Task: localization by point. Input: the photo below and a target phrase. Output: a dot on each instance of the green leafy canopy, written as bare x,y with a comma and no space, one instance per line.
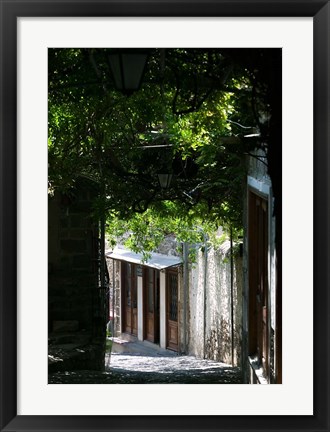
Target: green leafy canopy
196,104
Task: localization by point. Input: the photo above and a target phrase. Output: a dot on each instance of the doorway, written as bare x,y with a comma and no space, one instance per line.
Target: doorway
172,310
151,302
129,298
258,280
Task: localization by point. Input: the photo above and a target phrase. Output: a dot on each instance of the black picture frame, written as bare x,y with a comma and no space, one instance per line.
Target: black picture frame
10,10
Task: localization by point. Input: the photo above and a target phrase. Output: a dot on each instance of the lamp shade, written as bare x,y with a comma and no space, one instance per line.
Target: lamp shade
164,180
127,67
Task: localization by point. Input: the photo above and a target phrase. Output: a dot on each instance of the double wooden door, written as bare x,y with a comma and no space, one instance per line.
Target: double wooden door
151,301
172,309
129,298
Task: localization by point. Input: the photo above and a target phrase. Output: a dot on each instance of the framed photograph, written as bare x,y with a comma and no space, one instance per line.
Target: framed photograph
294,356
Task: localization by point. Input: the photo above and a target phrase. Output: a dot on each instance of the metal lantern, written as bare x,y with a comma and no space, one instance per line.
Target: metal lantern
165,180
127,67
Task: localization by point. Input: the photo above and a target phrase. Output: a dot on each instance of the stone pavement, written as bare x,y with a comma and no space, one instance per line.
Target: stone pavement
133,362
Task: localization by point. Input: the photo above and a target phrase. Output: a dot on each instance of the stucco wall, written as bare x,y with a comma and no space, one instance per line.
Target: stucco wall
213,310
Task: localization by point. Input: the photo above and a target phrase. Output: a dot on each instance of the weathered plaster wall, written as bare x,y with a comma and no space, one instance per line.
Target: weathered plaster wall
211,311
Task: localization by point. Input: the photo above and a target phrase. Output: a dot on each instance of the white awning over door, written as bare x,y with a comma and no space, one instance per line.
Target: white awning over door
157,261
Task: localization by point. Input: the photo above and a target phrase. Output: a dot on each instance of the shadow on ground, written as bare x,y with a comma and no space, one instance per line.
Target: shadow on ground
137,369
125,377
137,362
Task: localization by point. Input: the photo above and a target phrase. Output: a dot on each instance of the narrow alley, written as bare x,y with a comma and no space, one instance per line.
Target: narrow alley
144,363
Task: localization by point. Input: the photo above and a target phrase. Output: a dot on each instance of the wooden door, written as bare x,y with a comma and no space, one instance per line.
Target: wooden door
129,287
258,280
172,309
151,297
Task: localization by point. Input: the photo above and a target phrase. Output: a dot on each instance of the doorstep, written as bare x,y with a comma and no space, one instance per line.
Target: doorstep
256,371
130,344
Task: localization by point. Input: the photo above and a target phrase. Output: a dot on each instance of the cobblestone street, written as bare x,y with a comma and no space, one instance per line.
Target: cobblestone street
142,364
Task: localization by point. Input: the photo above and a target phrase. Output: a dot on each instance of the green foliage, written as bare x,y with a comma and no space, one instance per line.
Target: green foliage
201,102
143,233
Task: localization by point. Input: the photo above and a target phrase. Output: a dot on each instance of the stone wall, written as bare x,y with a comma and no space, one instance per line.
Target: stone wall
169,246
75,302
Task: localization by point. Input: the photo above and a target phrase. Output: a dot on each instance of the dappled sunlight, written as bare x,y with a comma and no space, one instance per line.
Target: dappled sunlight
136,368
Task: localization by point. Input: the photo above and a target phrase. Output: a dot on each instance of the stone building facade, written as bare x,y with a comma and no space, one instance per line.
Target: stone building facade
76,304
